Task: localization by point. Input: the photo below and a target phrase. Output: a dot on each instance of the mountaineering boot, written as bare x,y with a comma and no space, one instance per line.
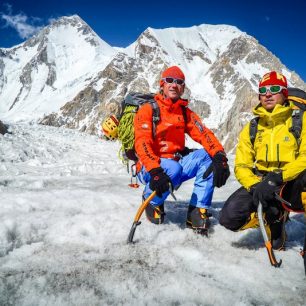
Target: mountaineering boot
155,214
198,219
277,233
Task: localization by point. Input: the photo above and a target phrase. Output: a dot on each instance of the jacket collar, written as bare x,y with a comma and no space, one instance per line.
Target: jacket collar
169,103
280,112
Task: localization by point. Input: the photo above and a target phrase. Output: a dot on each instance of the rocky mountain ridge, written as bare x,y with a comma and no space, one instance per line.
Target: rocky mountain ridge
68,76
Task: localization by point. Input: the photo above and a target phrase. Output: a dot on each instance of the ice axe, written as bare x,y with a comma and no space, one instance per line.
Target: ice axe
268,243
141,209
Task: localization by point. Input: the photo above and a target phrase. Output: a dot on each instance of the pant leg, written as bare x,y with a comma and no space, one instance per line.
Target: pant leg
172,168
194,165
237,210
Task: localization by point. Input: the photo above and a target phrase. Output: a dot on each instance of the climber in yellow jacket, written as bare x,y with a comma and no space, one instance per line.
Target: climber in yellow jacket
274,163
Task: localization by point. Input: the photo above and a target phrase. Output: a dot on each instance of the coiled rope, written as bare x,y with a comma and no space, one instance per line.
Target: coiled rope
126,130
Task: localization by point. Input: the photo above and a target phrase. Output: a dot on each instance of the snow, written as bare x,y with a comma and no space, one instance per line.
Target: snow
66,212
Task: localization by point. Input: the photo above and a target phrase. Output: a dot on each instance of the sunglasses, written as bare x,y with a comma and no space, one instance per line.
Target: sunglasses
173,80
274,89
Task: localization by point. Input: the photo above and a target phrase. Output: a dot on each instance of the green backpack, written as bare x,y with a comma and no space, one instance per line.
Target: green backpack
129,107
298,97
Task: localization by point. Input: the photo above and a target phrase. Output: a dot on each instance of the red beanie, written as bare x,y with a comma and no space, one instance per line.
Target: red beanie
172,72
274,78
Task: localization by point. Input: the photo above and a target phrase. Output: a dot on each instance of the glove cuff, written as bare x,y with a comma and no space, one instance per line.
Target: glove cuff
221,155
275,178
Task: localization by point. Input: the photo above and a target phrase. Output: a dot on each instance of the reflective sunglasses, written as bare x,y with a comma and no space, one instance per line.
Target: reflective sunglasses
274,89
173,80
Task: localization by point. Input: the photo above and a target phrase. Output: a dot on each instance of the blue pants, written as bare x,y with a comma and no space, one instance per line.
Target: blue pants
192,165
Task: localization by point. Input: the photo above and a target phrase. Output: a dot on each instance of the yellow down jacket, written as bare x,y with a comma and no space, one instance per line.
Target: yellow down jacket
274,147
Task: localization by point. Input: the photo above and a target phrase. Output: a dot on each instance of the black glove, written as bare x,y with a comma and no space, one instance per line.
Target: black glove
265,190
159,181
220,169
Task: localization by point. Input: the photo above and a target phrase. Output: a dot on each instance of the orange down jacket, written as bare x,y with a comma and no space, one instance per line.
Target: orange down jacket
170,132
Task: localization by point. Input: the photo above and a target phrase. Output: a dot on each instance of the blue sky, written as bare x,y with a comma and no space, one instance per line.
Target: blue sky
279,26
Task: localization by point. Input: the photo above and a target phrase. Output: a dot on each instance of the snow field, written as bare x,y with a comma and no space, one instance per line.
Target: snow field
65,214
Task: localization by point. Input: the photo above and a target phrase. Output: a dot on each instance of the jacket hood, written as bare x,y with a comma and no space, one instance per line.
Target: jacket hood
280,112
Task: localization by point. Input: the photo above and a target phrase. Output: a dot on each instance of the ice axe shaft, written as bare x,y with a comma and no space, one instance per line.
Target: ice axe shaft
140,210
268,244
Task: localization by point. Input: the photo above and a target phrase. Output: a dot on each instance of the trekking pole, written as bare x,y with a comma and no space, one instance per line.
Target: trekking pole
140,210
268,244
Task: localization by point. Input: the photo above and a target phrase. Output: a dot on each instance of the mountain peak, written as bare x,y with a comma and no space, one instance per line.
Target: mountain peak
73,20
69,27
68,72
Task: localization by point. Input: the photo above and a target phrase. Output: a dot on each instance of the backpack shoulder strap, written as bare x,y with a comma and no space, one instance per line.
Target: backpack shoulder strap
155,114
253,129
156,110
184,110
297,123
298,98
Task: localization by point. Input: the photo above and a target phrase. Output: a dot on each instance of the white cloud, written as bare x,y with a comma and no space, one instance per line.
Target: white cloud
24,25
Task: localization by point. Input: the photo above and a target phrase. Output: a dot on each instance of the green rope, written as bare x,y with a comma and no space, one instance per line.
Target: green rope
126,129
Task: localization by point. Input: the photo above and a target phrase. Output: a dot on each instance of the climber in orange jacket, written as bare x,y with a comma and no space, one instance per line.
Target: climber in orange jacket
164,159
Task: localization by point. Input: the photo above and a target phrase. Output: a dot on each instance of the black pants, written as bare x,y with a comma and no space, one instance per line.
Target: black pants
239,206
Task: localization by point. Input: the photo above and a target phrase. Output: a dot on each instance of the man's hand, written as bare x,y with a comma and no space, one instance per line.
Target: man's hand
159,181
220,169
265,190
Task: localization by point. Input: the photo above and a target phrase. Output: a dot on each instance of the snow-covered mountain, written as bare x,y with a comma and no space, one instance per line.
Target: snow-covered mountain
67,76
42,74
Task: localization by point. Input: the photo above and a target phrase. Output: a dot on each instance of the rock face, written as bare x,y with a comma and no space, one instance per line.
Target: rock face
67,76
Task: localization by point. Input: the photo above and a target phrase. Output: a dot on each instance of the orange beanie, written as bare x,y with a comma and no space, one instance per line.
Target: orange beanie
172,72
